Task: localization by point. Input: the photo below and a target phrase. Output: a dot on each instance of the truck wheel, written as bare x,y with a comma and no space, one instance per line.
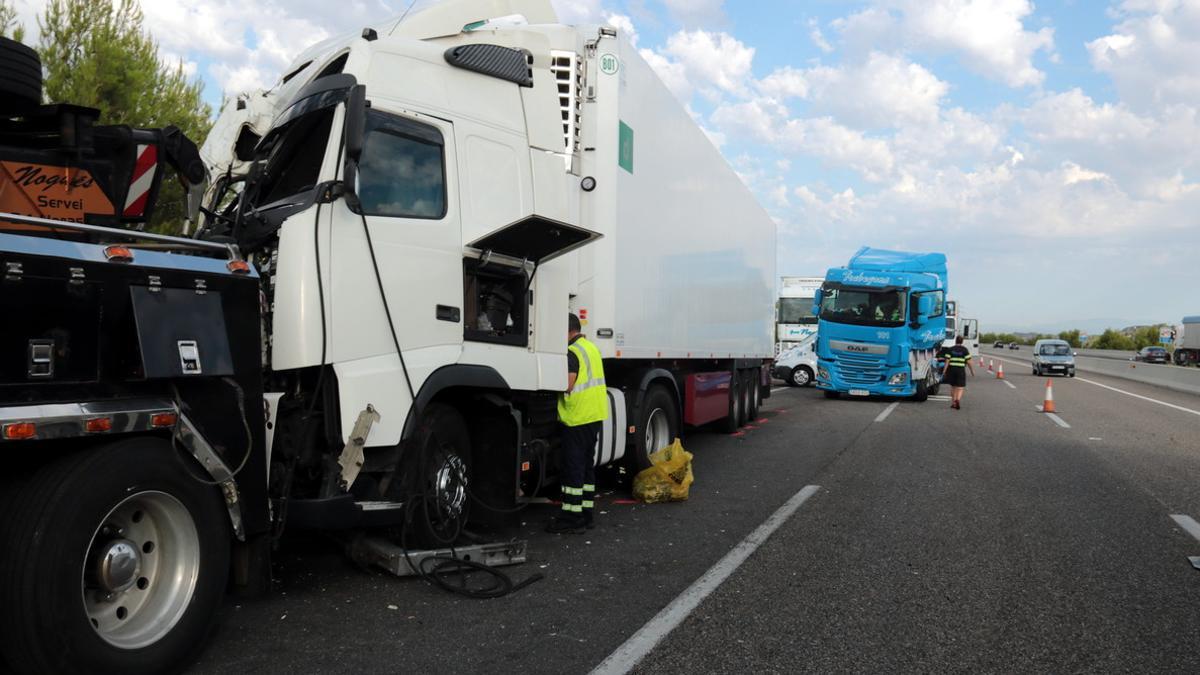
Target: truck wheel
657,425
801,376
438,472
20,77
922,393
733,419
115,560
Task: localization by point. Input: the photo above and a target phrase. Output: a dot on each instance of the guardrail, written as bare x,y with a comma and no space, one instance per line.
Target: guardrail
1179,378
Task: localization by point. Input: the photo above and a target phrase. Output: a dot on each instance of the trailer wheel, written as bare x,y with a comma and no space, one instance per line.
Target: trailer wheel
733,419
657,425
114,560
755,389
439,476
20,77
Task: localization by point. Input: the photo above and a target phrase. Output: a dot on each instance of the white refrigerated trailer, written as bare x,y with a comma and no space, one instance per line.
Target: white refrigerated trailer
794,320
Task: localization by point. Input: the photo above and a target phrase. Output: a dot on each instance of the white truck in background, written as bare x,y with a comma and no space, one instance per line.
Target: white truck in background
957,326
794,320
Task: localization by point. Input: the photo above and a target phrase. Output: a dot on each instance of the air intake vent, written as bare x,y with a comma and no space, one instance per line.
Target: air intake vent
567,68
502,62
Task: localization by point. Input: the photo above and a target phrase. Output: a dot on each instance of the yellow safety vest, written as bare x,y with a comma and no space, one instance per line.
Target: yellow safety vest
587,401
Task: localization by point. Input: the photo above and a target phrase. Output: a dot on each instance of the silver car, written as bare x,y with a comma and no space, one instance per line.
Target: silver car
1053,356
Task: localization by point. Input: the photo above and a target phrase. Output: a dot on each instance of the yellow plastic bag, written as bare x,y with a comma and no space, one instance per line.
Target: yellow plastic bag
669,478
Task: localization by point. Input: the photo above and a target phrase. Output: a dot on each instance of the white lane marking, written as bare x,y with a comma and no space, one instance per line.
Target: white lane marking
1010,384
887,411
939,398
648,636
779,389
1057,420
1144,398
1190,526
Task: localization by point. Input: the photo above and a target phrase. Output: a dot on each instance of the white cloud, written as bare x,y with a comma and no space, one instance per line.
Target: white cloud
883,91
989,35
1152,54
625,26
711,63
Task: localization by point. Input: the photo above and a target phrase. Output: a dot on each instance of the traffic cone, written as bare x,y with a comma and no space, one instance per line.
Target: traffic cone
991,365
1048,404
1000,372
981,360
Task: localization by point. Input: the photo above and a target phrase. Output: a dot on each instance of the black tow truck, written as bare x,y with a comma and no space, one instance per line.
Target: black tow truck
130,398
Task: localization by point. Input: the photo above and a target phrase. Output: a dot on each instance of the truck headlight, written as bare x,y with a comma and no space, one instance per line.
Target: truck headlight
898,378
822,373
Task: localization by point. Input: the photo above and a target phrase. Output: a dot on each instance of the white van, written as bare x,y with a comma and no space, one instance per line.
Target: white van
1053,356
798,365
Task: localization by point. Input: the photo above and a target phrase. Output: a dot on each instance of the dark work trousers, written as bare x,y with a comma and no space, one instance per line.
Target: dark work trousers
577,462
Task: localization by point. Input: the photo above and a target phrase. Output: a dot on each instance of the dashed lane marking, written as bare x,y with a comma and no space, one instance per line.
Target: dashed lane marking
1057,420
1010,384
939,398
887,411
648,636
1188,524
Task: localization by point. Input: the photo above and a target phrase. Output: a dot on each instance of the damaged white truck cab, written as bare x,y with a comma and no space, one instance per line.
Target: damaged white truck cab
427,206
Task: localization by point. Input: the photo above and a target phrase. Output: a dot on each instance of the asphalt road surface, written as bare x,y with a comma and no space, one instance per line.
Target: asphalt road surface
993,538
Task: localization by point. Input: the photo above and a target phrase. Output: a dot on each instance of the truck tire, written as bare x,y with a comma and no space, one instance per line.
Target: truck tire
747,397
755,390
20,77
733,418
438,478
657,426
922,393
802,376
114,560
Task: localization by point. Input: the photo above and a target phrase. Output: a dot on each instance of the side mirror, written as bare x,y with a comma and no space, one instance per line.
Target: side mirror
354,138
818,298
924,309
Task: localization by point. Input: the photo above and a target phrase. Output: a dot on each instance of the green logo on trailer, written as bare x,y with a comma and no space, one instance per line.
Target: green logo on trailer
625,148
609,64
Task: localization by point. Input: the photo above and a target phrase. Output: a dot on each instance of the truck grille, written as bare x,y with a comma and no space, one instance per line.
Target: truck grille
860,368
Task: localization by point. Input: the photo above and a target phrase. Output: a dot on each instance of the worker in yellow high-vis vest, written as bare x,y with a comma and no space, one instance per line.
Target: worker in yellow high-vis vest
582,410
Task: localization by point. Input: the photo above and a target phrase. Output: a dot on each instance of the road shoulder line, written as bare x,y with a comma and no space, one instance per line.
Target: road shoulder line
641,643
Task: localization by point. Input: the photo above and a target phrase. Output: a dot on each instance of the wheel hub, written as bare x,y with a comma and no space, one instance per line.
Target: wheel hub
451,490
118,566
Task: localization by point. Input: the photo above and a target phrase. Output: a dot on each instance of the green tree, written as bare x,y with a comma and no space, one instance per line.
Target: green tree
9,27
1112,339
96,53
1071,337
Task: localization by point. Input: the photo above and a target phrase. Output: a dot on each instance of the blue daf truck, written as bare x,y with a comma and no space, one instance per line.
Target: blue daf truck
882,319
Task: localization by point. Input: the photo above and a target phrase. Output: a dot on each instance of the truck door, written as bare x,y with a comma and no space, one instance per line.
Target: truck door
407,192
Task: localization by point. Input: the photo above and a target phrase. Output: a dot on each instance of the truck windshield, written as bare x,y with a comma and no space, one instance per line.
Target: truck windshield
796,310
863,306
293,156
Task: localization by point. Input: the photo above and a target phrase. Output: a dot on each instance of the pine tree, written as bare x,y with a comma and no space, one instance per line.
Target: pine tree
9,27
96,53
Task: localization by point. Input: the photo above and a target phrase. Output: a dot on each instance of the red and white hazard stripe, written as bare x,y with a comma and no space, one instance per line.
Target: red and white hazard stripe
143,179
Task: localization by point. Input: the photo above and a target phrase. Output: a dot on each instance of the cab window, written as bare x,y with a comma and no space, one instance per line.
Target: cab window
402,173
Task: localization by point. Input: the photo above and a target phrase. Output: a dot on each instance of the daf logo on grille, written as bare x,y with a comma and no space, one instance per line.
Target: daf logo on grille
862,349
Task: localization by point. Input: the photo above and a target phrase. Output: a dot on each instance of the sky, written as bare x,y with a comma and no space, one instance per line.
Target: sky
1051,150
